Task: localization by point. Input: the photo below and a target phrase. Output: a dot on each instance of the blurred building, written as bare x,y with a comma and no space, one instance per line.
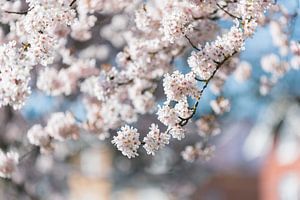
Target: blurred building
272,148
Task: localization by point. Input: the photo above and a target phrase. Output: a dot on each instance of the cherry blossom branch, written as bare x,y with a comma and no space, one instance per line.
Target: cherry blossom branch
184,121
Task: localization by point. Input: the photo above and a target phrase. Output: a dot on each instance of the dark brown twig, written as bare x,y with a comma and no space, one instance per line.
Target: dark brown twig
72,3
228,13
27,153
194,46
17,12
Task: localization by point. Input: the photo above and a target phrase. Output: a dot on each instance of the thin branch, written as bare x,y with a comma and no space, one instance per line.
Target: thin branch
200,80
194,46
228,13
17,12
27,153
125,83
72,3
209,16
293,19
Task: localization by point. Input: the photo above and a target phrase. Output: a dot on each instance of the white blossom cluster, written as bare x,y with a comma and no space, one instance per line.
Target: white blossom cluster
43,25
177,86
170,117
295,49
208,126
60,127
155,140
65,81
205,62
103,116
127,141
176,25
38,31
276,65
198,151
243,71
8,163
220,105
39,137
14,76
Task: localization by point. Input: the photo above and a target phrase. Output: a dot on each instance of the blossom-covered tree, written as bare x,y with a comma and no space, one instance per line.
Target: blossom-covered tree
41,49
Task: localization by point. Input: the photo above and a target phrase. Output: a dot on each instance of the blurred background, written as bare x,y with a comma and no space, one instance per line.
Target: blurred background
257,154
